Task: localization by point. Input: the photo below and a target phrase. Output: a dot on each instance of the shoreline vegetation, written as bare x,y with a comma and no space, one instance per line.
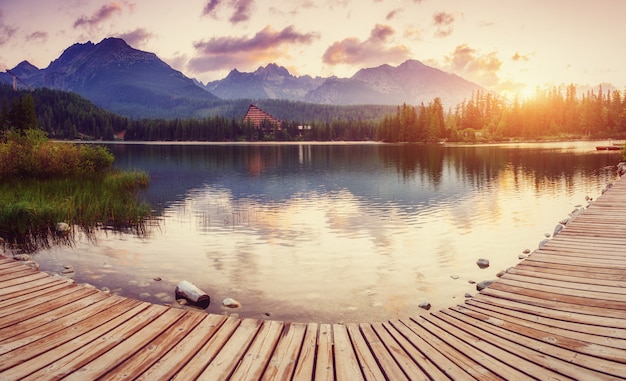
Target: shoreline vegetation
48,189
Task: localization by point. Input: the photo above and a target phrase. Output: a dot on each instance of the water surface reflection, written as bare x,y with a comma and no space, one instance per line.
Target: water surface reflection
337,233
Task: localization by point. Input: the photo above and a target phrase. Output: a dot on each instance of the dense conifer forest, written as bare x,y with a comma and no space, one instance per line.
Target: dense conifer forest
554,113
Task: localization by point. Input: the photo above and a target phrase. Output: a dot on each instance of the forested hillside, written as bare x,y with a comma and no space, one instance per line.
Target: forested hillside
484,117
553,113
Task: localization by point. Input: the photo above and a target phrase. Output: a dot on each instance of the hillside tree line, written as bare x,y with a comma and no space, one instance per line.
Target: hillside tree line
555,112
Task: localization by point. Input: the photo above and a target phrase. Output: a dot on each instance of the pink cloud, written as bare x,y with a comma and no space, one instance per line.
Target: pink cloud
136,37
38,35
241,9
105,12
228,52
6,31
521,57
371,51
444,23
471,64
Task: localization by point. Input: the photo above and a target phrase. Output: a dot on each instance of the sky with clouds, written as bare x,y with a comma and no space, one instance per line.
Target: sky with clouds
503,45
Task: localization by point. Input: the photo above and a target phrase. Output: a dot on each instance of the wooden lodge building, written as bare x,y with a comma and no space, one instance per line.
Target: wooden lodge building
256,116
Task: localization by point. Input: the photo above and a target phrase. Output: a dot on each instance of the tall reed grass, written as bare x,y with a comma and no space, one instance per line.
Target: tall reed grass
43,183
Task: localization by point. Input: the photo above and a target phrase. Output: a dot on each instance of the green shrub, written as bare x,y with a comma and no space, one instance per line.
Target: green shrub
32,155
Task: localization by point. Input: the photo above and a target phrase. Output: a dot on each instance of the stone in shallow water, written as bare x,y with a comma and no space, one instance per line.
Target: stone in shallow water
482,263
425,305
484,284
231,303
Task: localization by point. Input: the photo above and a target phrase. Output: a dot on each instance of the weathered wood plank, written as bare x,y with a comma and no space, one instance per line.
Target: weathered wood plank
258,355
152,351
369,365
232,352
305,367
127,343
283,362
387,363
592,335
207,353
324,366
63,300
346,364
455,350
38,354
536,346
428,349
564,311
406,363
169,363
55,320
93,359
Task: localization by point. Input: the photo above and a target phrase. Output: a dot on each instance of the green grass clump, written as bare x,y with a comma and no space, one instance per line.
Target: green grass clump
32,155
30,208
43,183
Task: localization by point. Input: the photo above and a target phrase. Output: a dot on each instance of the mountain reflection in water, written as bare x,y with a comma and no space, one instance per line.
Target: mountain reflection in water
339,232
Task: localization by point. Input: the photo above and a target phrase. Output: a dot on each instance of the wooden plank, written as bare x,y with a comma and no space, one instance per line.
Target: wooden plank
546,350
38,293
207,353
89,366
420,359
586,300
93,359
569,320
408,365
152,351
306,361
462,351
591,335
387,363
37,355
369,364
551,302
21,289
169,363
64,300
324,367
346,364
57,319
283,362
430,351
231,353
569,283
19,275
258,355
527,269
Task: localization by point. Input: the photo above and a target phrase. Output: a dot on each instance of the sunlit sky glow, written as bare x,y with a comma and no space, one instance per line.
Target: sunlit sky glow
504,46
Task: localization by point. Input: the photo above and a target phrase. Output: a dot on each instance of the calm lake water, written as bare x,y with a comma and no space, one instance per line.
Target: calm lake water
335,233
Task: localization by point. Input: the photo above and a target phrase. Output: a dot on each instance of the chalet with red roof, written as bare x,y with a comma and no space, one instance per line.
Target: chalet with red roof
256,116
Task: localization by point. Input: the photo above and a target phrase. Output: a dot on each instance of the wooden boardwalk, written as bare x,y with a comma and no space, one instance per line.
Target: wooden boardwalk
560,314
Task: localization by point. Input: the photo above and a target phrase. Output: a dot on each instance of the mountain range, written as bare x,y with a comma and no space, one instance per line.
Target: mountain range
135,83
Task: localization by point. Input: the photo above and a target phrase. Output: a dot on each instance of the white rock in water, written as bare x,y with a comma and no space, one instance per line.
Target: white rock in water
231,303
193,294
